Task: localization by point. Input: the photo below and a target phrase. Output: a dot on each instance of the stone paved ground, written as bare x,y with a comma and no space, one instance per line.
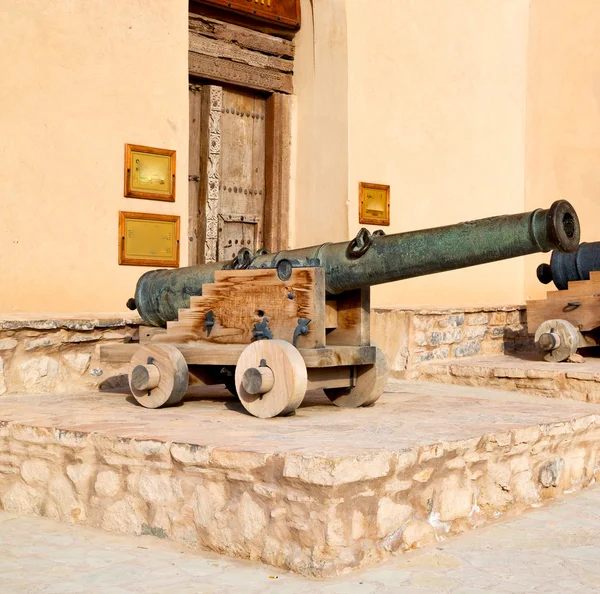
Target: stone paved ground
551,550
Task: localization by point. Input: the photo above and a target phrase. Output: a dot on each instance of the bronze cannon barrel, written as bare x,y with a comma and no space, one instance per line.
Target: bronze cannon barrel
373,259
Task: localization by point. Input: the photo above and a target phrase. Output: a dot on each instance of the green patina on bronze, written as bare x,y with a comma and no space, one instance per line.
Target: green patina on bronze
375,259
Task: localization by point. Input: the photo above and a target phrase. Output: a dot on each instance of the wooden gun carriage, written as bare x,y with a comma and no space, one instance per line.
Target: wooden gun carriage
569,318
272,326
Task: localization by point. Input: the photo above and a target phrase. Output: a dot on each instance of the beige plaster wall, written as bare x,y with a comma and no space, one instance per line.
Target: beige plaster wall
321,125
436,109
563,115
80,79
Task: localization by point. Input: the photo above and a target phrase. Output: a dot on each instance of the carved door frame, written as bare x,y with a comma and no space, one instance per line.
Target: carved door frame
206,102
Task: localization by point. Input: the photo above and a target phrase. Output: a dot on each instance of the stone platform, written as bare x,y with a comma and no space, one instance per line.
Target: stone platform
319,492
523,372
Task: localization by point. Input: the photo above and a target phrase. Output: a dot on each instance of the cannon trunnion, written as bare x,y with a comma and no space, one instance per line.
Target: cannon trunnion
272,326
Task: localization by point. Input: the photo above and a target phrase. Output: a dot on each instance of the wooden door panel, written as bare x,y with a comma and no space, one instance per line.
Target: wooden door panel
228,159
234,234
242,170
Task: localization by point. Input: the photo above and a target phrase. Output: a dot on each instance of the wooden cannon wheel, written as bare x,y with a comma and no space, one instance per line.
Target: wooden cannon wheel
158,375
557,340
369,385
270,378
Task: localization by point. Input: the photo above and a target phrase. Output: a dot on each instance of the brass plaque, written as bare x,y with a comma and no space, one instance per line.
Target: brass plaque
148,239
374,204
149,173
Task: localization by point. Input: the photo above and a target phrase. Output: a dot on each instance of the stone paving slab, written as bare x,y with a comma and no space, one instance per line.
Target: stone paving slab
319,492
408,415
524,372
551,550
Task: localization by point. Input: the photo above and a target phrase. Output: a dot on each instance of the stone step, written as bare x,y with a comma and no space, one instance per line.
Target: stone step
318,492
524,373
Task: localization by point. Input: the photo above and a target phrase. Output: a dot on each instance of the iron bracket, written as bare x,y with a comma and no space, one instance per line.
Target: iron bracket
301,329
209,322
261,330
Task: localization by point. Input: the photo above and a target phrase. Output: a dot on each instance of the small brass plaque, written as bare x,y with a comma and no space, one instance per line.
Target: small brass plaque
148,239
149,173
374,204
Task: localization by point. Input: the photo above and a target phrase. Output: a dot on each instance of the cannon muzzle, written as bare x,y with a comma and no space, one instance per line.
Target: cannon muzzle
373,259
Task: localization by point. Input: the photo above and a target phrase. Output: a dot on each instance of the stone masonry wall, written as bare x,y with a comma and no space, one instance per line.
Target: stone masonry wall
314,515
60,355
410,336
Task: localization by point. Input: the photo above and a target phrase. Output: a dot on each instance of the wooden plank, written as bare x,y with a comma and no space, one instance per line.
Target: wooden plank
595,276
216,354
242,200
353,323
278,172
230,51
238,299
330,377
330,314
586,317
223,70
196,123
147,333
240,36
576,289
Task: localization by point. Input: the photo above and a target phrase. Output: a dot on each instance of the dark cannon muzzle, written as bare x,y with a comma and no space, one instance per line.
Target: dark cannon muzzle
373,259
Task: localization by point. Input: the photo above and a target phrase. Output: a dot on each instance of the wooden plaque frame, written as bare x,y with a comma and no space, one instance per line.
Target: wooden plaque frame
363,204
130,191
149,261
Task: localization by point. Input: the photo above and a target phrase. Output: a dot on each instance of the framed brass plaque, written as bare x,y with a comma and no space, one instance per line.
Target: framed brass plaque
373,204
148,239
149,173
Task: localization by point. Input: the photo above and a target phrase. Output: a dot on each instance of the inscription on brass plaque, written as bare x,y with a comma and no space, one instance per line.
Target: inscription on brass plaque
148,239
374,204
149,173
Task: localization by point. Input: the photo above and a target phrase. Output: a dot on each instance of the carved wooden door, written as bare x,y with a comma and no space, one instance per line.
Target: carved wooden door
227,171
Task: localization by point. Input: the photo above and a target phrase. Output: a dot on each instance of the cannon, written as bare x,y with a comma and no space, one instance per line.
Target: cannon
569,318
272,326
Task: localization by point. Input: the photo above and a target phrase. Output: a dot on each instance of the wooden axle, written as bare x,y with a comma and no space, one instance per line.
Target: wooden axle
258,380
145,377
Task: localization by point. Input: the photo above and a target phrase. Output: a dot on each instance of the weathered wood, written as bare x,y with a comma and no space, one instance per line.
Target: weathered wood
202,353
576,289
258,380
368,386
238,299
584,317
242,200
278,168
288,373
146,333
240,36
145,377
229,51
172,373
223,70
210,172
353,323
196,124
331,314
330,377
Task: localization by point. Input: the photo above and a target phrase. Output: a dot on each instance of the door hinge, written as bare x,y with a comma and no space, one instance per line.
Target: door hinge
195,178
